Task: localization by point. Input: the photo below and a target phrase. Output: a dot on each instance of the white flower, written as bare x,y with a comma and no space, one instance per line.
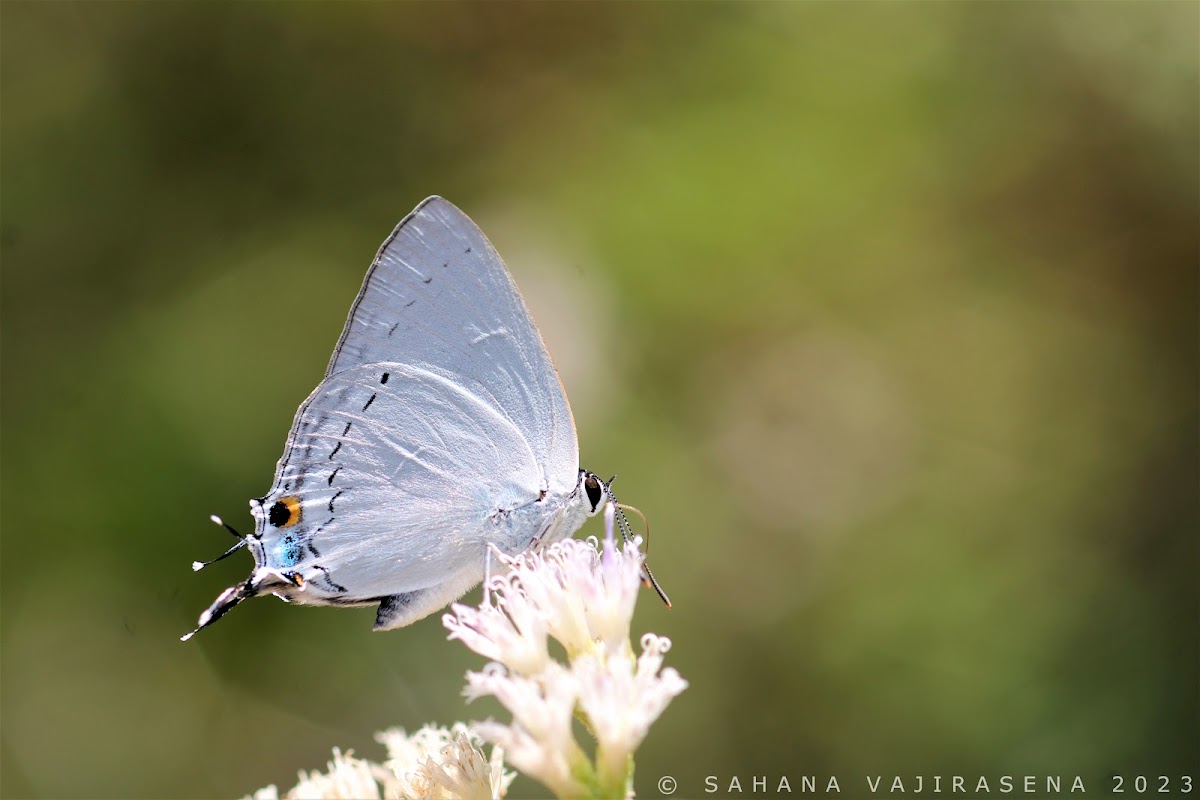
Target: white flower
432,764
265,793
440,764
613,591
511,633
621,699
570,591
348,779
584,598
539,742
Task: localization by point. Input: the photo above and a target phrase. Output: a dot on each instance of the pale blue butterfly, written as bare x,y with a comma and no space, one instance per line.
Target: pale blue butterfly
440,428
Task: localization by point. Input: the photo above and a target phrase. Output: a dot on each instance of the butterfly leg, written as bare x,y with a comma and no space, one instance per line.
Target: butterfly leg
487,576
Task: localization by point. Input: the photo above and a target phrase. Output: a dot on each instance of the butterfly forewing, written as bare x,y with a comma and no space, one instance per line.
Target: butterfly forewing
439,297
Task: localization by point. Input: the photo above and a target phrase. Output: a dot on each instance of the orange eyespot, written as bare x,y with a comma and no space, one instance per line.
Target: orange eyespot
285,512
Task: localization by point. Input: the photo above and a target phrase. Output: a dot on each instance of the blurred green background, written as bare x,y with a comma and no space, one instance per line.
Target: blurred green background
884,314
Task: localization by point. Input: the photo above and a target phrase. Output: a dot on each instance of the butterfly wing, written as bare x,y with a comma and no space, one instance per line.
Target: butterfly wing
439,296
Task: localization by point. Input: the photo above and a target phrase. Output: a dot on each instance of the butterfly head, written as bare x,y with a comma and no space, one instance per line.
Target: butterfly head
596,492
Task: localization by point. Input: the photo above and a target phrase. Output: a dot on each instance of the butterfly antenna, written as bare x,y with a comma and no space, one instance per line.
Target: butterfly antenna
627,534
199,565
241,542
650,580
218,521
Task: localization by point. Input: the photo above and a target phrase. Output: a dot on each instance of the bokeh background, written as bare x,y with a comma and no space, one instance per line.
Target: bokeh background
884,314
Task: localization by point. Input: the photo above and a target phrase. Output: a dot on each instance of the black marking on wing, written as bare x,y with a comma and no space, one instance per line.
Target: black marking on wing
335,497
279,515
337,447
337,587
300,475
332,475
368,405
312,549
350,602
393,606
428,280
385,377
346,429
467,250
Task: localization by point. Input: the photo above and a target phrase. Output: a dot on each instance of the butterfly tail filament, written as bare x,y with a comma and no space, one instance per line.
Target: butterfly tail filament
225,601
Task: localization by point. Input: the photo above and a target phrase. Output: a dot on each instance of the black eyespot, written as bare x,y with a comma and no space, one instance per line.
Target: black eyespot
595,492
384,378
279,515
285,512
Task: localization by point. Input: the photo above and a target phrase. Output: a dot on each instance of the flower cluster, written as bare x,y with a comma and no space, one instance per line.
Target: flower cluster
432,764
583,598
442,764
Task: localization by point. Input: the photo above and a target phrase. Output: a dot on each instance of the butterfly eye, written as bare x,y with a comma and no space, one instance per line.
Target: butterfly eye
595,492
285,512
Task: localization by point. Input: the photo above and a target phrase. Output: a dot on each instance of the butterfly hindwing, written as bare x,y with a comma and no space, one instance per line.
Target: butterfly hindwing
397,471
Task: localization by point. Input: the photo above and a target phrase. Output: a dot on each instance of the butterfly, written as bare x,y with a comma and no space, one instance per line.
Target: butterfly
440,429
